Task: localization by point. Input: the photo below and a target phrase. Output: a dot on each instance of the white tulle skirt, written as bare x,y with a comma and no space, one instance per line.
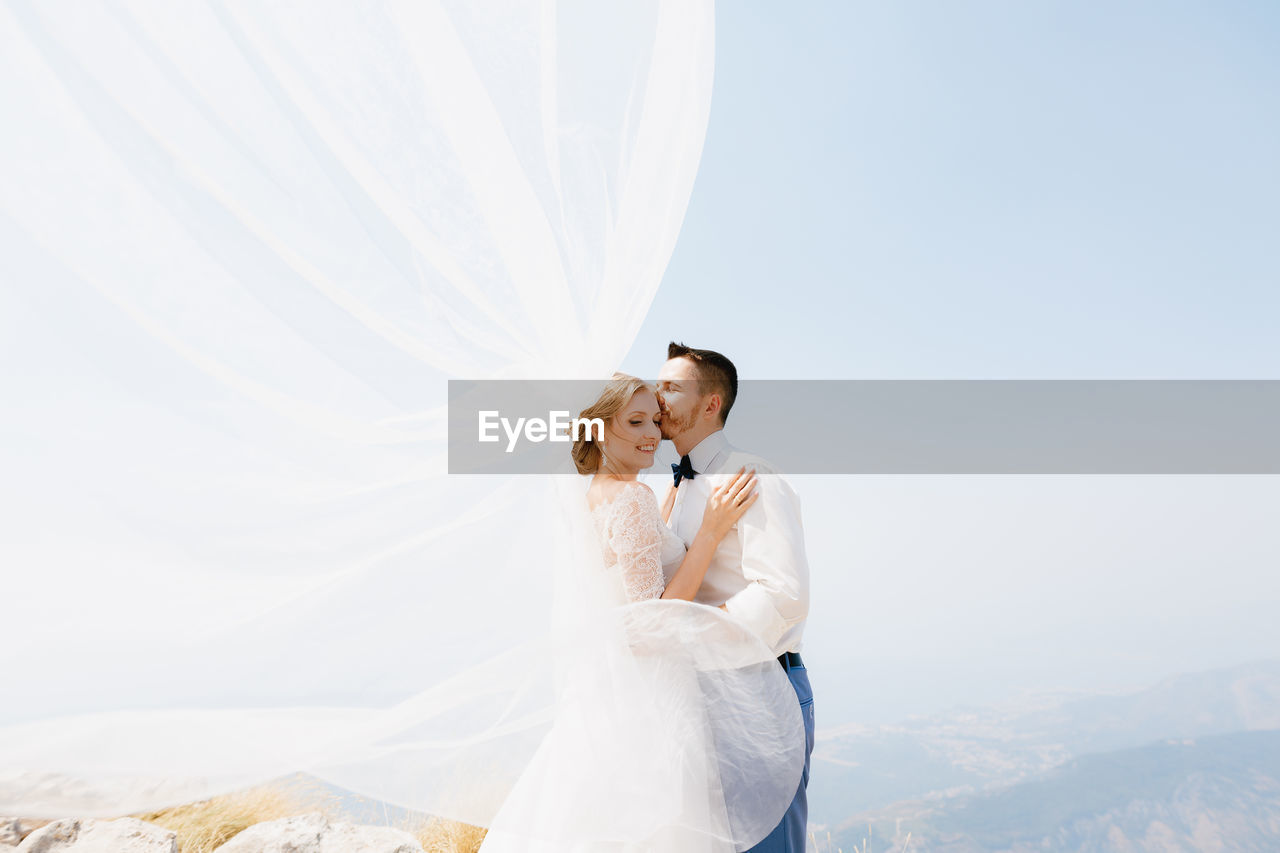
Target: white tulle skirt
676,731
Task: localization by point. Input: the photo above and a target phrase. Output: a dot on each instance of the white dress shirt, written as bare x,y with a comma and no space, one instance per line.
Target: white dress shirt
759,572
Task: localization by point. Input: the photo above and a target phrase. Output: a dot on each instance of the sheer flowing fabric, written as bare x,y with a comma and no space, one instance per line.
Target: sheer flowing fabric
674,729
246,244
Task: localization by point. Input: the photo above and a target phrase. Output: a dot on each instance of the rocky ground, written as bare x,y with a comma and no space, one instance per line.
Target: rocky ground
307,833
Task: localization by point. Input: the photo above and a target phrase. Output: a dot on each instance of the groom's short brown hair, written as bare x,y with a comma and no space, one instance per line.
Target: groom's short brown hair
716,374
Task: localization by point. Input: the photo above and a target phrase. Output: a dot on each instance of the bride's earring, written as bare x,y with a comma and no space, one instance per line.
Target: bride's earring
605,465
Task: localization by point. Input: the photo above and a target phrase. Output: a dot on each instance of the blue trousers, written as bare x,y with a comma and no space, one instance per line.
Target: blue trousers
791,835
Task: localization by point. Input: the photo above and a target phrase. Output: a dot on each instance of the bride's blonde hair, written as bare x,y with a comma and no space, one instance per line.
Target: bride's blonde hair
588,453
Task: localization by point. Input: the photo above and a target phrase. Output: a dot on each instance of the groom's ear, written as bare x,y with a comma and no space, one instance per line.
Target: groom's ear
714,402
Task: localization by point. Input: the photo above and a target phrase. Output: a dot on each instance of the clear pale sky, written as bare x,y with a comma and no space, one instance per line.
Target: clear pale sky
973,190
999,190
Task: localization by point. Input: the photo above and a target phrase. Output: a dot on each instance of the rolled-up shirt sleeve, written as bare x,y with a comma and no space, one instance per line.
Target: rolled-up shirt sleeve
773,561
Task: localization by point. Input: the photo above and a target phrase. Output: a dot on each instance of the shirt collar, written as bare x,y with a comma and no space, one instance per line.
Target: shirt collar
705,451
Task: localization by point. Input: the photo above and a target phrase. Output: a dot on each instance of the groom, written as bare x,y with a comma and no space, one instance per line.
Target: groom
760,576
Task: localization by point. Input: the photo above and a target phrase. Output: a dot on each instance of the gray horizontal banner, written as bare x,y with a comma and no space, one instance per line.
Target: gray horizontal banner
1210,426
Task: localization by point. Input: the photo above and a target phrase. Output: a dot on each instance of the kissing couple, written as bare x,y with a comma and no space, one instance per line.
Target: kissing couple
688,723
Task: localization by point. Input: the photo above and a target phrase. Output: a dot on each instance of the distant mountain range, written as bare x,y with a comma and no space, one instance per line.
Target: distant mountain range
1191,763
1216,793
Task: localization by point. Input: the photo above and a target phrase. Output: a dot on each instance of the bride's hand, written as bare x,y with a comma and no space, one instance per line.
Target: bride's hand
729,502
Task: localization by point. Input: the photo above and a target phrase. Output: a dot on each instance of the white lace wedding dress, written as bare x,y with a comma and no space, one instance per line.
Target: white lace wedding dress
677,731
636,542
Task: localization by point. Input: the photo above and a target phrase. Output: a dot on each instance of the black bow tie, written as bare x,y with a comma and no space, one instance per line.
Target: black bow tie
684,469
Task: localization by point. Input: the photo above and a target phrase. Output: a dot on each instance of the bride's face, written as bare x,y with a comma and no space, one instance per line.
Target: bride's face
632,436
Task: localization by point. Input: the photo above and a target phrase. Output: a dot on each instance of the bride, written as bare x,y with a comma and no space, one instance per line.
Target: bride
676,729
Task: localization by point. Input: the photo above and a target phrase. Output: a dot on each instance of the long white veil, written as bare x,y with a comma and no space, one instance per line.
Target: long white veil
245,245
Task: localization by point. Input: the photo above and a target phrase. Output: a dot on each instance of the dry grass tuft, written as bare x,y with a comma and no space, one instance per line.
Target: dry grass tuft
830,845
204,825
832,848
447,836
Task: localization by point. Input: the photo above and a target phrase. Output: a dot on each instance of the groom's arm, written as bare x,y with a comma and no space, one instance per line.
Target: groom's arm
773,561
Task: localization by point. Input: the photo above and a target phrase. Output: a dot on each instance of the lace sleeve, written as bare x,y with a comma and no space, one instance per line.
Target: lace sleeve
635,536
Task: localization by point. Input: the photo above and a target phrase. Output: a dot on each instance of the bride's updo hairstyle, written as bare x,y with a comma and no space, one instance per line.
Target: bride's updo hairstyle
587,452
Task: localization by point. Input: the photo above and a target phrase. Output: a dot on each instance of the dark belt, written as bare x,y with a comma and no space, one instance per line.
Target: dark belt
790,660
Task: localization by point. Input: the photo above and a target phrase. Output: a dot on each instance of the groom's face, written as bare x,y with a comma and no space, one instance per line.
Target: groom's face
678,396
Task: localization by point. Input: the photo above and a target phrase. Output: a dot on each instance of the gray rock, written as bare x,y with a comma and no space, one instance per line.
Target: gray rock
315,833
10,832
89,835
